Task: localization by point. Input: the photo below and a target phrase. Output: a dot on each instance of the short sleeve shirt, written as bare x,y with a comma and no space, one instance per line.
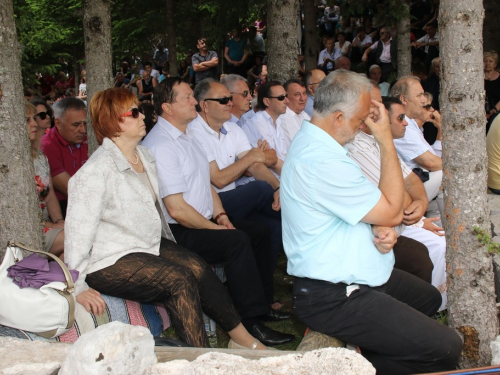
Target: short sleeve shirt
209,73
182,167
224,148
324,195
412,145
291,123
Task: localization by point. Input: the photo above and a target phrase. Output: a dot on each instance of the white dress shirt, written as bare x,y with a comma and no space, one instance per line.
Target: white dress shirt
291,123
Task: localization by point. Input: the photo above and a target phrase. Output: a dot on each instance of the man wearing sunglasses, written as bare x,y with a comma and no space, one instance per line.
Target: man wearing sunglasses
230,155
272,101
413,148
426,262
196,215
65,145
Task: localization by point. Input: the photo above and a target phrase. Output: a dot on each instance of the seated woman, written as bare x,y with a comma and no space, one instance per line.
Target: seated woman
53,222
120,243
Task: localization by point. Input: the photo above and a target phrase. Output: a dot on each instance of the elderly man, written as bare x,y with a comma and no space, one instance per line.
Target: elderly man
230,155
65,145
197,218
294,115
205,62
343,62
313,78
365,152
272,101
385,53
338,238
413,148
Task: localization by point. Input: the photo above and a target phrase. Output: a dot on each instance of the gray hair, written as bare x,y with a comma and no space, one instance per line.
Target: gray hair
402,86
231,80
71,103
202,88
340,91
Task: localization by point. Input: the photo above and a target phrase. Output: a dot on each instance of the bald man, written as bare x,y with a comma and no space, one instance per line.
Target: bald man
313,78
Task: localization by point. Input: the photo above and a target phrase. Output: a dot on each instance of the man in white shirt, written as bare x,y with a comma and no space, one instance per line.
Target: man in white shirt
313,78
385,53
413,148
427,47
197,218
272,101
230,155
325,60
294,115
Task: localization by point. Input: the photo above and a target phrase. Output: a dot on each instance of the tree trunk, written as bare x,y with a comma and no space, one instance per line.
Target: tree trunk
282,47
471,295
20,218
404,48
171,38
98,54
491,31
311,37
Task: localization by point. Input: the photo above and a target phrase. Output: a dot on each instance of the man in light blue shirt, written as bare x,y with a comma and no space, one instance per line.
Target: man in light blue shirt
338,238
313,78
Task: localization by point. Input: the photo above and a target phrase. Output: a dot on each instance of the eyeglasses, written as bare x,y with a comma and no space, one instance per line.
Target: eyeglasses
427,107
314,83
134,112
222,101
43,115
280,98
244,93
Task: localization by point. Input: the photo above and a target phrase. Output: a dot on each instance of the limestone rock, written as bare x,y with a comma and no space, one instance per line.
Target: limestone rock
332,361
19,357
113,348
495,351
315,340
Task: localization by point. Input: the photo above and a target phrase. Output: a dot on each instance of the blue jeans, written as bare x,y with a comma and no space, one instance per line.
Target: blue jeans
391,323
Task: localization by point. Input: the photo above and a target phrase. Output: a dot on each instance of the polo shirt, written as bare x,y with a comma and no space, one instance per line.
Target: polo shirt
224,148
263,123
324,195
197,58
412,145
63,156
182,167
291,124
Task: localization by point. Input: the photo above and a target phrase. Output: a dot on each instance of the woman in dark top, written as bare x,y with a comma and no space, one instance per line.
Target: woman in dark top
491,85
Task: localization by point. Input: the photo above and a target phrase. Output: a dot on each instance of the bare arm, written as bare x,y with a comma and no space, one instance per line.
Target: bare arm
226,56
139,87
61,182
54,209
220,178
415,189
389,209
205,65
185,214
429,161
262,173
277,167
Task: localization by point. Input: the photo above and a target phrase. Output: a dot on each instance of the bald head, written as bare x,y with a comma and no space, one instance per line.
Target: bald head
343,63
313,78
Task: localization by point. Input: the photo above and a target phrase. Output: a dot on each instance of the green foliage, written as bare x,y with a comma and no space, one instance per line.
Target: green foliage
484,238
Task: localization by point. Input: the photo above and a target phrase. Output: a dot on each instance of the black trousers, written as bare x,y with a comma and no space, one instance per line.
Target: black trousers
253,202
246,256
179,278
390,323
413,257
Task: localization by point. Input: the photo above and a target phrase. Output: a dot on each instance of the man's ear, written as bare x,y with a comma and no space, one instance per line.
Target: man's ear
57,123
337,118
167,108
403,99
266,102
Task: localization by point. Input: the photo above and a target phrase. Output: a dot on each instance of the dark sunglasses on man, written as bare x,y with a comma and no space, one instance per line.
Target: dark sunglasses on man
222,101
280,98
42,115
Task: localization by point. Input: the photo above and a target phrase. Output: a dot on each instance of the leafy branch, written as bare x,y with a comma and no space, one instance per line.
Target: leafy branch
484,238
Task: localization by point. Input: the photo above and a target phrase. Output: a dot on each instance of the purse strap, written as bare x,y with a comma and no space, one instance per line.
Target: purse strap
70,286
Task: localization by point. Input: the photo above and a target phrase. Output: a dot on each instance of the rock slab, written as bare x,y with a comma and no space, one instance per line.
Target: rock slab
495,351
19,357
113,348
331,361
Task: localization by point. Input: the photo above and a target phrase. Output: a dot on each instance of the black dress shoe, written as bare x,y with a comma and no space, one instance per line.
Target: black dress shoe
275,316
268,336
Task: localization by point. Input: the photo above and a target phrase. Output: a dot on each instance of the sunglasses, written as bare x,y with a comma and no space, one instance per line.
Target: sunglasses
244,93
427,107
280,98
222,101
401,117
42,115
134,112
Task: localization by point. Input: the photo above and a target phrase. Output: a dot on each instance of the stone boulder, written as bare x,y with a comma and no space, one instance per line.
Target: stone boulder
19,357
334,361
113,348
315,340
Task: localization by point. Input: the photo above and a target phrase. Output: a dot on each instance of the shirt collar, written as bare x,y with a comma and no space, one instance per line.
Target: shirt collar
169,128
269,119
321,136
208,129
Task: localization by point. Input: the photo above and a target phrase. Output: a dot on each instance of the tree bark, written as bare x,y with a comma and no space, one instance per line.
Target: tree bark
404,48
20,216
282,48
98,53
311,37
471,295
491,31
171,38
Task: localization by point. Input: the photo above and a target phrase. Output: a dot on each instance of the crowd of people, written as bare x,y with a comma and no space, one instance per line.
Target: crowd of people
340,170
